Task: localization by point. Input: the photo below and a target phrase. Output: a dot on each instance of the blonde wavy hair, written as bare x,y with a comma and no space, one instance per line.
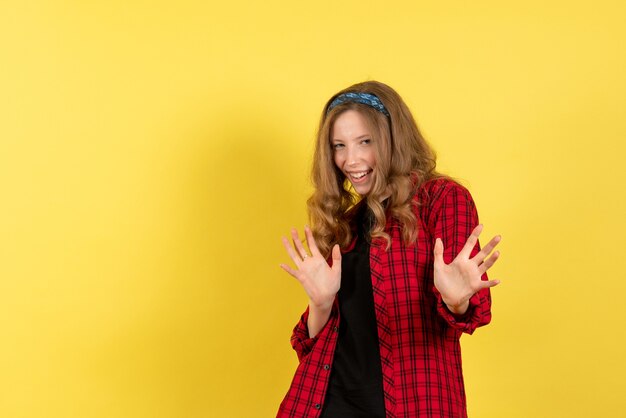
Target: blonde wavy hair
404,161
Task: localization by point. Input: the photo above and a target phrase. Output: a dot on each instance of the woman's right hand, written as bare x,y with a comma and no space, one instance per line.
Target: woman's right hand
320,281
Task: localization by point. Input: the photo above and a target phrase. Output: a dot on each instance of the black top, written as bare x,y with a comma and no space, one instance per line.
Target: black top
355,388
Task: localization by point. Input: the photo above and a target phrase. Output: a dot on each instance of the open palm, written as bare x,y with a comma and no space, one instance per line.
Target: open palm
458,281
320,281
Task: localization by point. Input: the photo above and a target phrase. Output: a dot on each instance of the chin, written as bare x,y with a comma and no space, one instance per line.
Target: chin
362,191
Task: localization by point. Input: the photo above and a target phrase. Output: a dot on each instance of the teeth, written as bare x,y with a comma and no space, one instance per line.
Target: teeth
359,175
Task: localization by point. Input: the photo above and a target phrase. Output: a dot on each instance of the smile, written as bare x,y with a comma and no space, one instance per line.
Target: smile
359,175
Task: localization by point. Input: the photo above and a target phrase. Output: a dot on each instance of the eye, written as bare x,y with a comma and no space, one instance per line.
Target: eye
338,145
366,141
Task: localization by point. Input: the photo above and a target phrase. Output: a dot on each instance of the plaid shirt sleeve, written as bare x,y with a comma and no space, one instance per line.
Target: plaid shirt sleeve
300,340
452,218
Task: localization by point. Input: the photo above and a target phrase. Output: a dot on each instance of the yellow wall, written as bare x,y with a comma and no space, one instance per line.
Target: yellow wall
153,153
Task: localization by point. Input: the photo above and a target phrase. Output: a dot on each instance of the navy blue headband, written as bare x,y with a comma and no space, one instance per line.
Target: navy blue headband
363,98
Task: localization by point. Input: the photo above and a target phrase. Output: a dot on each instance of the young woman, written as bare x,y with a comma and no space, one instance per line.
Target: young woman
394,272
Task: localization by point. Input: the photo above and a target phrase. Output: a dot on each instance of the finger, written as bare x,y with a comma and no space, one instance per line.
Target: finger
487,249
488,283
488,263
298,244
336,254
292,254
438,251
290,271
471,242
311,241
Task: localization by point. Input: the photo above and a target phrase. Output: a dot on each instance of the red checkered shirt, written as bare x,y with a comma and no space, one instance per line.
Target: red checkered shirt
418,336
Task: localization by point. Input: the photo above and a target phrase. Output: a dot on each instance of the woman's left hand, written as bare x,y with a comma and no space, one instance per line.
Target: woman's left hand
458,281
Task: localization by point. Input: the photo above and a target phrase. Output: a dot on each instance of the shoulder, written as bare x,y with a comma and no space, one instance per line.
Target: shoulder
441,194
436,191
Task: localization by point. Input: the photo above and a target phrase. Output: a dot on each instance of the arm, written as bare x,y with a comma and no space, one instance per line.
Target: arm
321,283
301,339
461,286
318,317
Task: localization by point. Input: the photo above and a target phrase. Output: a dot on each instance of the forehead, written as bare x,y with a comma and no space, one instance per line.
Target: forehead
349,124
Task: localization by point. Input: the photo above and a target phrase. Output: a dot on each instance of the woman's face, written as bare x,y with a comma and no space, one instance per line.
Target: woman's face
353,150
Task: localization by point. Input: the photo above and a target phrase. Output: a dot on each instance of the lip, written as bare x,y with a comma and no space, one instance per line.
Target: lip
364,174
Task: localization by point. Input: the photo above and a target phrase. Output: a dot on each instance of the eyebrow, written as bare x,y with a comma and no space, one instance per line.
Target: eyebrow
358,137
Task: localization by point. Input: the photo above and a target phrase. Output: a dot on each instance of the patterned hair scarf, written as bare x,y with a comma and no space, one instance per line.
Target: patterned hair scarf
363,98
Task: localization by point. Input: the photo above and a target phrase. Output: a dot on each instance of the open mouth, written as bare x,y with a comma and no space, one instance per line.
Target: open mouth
359,176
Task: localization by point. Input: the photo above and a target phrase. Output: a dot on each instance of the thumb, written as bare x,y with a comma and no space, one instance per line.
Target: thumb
336,254
438,251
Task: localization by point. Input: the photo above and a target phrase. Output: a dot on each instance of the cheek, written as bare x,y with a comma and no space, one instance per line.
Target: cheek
371,159
337,160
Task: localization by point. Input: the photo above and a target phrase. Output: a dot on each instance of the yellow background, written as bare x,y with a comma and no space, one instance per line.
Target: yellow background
152,153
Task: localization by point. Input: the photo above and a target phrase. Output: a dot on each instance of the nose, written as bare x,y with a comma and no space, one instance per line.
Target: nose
353,156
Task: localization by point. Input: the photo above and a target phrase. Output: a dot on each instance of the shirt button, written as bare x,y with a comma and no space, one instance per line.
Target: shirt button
318,406
326,366
335,329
